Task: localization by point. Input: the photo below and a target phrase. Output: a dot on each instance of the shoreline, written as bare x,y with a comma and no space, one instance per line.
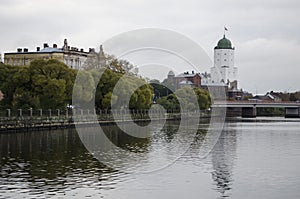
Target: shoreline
26,124
14,125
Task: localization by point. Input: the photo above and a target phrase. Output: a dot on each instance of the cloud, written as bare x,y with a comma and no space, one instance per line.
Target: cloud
273,64
259,28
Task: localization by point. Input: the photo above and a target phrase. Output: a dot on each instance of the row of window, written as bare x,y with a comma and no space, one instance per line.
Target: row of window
73,63
224,59
17,62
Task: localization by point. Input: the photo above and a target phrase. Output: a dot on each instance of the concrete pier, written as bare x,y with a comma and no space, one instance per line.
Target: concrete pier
292,112
233,112
249,112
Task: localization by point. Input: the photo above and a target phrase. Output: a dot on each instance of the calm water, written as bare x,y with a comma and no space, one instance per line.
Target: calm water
252,159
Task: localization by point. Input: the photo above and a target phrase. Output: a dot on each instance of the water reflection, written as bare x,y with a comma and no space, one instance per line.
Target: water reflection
57,164
223,161
48,163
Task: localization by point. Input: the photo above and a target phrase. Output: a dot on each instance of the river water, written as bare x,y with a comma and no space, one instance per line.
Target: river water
255,158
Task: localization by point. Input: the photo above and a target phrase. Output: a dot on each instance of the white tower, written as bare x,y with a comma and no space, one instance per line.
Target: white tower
224,71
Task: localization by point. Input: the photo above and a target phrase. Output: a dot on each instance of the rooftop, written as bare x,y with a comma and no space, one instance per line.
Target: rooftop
224,43
50,50
187,74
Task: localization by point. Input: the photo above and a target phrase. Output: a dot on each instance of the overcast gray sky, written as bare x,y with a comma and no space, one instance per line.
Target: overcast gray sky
266,34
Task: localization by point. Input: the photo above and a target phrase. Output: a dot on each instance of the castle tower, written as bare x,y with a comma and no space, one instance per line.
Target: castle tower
224,71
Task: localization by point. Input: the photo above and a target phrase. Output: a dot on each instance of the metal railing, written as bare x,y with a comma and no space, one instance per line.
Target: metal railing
29,119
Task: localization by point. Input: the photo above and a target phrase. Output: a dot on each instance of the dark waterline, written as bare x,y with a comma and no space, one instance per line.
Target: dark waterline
252,159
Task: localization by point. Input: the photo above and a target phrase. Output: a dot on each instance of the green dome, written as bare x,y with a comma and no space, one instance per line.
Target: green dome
224,43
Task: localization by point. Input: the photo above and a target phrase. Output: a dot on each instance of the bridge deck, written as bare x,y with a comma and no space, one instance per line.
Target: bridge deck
244,104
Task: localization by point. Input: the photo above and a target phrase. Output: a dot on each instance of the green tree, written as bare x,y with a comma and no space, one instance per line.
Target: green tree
52,74
186,98
203,97
84,87
43,84
141,98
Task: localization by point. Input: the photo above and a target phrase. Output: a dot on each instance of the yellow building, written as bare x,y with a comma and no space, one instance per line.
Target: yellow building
71,56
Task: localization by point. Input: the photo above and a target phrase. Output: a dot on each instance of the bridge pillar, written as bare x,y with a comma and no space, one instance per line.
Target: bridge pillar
249,112
292,112
233,112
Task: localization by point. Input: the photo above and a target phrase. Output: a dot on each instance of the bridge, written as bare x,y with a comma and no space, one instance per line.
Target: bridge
248,108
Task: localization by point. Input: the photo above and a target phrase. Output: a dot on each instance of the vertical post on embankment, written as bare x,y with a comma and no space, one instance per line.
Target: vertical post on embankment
20,112
8,113
30,112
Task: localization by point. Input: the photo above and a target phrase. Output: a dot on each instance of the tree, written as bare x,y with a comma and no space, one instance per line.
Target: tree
49,84
204,99
140,98
185,95
43,84
41,71
169,102
160,90
84,87
52,82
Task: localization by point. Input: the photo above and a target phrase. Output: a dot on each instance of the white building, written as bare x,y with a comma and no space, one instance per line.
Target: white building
224,70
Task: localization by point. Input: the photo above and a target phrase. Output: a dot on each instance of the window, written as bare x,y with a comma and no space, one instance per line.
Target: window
225,59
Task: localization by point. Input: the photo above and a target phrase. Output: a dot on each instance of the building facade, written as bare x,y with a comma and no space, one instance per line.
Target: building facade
224,70
71,56
222,77
191,79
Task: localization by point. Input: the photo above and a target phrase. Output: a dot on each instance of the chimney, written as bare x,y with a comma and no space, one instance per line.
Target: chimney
25,50
54,46
192,72
19,50
38,49
81,50
46,45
